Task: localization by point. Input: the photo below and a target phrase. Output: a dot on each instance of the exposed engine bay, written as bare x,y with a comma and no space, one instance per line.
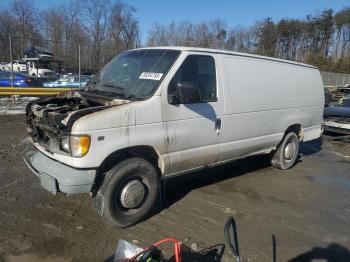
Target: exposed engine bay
338,119
50,118
337,116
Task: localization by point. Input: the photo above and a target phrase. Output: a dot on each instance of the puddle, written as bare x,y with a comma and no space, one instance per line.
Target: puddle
341,155
341,181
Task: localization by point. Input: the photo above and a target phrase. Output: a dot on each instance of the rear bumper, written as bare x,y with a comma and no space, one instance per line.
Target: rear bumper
55,176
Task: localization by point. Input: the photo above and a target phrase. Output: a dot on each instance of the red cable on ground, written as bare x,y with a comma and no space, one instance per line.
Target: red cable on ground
177,248
177,252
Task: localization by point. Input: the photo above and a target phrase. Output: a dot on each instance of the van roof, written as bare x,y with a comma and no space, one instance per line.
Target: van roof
226,52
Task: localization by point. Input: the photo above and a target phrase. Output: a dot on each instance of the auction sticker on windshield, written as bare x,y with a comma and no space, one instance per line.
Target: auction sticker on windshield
151,76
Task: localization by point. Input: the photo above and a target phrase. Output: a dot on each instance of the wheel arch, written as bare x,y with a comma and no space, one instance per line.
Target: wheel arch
296,128
143,151
277,155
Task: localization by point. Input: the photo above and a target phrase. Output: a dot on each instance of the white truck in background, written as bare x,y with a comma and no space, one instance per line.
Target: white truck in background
3,66
30,66
36,69
18,66
39,62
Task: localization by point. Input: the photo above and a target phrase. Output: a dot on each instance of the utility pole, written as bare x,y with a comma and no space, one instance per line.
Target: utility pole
79,66
11,61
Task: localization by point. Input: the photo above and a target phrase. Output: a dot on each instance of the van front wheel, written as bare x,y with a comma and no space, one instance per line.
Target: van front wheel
287,152
129,193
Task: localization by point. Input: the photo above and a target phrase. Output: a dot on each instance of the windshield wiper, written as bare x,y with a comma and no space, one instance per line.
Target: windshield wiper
124,93
104,92
114,86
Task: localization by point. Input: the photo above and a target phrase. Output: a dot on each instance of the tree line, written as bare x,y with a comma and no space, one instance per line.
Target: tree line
103,28
322,39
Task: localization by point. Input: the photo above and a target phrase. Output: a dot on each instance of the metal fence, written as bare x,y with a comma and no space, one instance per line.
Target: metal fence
69,57
335,79
85,58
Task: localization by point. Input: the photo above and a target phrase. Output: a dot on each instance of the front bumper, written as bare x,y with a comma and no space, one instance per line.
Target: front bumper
335,127
55,176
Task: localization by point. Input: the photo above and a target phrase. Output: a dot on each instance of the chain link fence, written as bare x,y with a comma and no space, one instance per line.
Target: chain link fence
335,79
83,57
67,57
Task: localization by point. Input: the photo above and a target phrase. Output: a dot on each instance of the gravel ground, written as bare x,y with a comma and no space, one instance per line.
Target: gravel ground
305,210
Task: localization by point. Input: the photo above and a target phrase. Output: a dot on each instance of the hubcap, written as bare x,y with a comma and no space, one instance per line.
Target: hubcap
132,194
289,150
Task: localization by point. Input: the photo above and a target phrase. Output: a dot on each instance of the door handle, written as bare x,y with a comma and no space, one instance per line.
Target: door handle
218,125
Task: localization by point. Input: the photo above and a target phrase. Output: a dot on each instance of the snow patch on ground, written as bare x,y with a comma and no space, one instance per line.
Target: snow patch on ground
6,107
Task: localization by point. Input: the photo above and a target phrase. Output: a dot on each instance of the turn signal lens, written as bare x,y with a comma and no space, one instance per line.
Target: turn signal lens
79,145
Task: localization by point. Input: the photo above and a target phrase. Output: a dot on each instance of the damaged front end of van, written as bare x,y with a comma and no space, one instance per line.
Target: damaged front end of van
48,119
49,123
73,133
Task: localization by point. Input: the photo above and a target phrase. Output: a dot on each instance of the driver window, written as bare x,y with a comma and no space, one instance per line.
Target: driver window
198,71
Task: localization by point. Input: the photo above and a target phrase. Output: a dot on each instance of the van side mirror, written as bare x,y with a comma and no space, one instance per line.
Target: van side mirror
186,93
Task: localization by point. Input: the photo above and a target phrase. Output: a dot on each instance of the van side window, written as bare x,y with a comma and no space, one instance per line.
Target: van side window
198,71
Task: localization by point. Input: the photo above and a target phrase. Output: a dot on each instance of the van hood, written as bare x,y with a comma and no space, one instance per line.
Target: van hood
51,117
340,111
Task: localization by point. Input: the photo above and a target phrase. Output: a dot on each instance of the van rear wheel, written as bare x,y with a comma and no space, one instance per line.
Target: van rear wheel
129,193
287,152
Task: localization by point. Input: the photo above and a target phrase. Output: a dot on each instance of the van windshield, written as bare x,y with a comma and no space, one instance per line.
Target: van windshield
135,73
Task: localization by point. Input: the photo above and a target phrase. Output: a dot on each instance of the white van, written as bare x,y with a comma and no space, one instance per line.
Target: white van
152,113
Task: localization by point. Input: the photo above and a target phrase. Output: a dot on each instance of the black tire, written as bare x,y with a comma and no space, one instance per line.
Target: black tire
279,158
108,200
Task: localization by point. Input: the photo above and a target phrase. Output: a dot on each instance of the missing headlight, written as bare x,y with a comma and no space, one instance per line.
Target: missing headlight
64,144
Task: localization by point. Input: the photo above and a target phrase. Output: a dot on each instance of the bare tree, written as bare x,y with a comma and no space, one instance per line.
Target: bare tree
217,28
53,19
102,28
202,35
123,27
157,36
342,29
97,14
26,21
7,26
267,38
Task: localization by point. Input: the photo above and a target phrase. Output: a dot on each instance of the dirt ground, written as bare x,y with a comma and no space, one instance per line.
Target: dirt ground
305,211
